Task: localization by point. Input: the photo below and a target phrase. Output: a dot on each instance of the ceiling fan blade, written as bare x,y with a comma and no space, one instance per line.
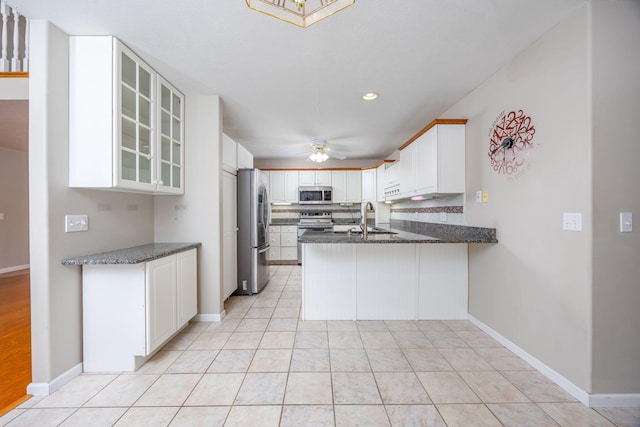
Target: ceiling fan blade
334,155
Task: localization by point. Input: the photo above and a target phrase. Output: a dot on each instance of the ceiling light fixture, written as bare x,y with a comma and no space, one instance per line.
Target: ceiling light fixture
299,12
369,96
319,155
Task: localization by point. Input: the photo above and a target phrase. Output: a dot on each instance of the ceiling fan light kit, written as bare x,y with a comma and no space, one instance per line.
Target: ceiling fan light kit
299,12
320,152
318,156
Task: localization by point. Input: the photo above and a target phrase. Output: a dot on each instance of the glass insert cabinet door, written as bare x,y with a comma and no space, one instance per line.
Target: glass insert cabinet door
171,119
136,94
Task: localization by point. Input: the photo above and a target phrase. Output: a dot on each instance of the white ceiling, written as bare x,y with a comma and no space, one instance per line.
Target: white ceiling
283,86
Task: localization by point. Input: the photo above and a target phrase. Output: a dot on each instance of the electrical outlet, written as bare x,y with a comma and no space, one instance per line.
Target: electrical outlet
1,216
626,222
73,223
572,221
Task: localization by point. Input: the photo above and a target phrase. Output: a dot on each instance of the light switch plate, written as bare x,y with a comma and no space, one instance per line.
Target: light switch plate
73,223
626,222
1,216
479,196
572,221
485,196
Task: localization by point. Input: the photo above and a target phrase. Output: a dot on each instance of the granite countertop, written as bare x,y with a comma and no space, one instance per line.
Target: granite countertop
284,221
295,221
134,255
449,234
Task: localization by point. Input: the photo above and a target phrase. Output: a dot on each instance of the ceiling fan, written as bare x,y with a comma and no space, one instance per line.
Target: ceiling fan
320,152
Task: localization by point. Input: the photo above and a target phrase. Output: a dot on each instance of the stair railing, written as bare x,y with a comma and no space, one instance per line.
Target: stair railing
14,40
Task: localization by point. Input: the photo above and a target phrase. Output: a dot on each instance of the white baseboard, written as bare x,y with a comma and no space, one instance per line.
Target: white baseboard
210,317
45,389
545,370
16,268
618,400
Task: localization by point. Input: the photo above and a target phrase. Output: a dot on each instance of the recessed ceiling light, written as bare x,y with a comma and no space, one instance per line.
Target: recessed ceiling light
369,96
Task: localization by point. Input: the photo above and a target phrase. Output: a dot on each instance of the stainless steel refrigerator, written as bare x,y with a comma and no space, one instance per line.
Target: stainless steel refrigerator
254,212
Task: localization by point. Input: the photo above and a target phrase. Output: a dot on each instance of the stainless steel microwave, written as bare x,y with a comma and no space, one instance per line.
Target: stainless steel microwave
320,195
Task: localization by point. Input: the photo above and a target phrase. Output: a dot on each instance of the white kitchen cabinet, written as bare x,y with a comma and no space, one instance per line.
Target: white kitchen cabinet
161,301
407,166
380,182
347,186
283,186
440,160
245,158
229,234
315,177
284,243
229,154
126,123
392,181
289,243
369,190
130,310
171,144
434,163
186,285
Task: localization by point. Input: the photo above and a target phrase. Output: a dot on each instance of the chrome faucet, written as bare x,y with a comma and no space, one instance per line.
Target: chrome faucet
368,207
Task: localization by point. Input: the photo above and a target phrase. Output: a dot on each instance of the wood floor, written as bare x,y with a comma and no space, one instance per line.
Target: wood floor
15,338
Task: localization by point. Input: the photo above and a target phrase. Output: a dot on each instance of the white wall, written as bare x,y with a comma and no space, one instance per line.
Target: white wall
616,176
14,204
116,220
534,287
195,216
14,88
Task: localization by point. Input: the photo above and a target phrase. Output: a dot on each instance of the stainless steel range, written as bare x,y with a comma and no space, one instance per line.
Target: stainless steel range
316,221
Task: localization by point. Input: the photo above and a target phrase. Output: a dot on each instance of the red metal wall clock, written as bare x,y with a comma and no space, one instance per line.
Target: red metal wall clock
511,143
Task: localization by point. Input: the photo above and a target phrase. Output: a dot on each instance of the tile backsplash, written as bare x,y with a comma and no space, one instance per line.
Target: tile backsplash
443,209
338,212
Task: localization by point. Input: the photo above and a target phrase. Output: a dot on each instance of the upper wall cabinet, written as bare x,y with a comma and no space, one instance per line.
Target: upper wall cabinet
347,186
439,161
126,123
369,190
432,164
310,177
245,158
229,154
283,186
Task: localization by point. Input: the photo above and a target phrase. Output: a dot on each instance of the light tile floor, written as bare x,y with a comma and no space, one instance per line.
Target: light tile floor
262,366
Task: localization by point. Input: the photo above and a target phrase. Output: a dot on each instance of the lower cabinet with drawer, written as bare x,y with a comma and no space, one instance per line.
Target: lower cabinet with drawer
284,244
131,310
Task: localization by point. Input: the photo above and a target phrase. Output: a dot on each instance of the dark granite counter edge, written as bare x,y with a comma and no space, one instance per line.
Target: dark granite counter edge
450,232
294,221
133,255
421,233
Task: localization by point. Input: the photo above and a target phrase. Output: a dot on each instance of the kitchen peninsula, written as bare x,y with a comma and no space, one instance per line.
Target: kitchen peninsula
402,271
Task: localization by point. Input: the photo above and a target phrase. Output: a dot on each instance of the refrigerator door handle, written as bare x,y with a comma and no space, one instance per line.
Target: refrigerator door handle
265,249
